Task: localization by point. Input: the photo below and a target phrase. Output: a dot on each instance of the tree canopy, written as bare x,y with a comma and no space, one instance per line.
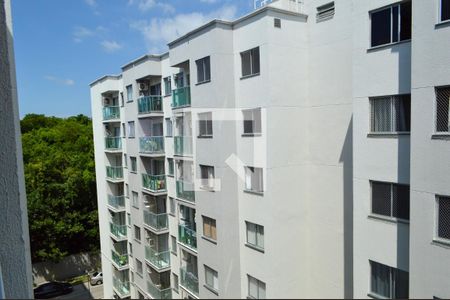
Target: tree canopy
59,166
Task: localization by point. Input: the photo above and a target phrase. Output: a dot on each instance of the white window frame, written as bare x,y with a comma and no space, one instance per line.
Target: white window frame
250,177
259,286
207,183
131,129
202,63
204,124
214,285
252,67
129,89
258,236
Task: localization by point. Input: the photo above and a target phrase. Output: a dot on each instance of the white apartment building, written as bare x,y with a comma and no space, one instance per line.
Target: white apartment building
298,151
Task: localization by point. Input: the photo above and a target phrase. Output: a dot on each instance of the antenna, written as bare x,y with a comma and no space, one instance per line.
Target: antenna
260,3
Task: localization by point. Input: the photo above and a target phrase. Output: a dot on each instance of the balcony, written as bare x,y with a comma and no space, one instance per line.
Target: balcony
185,190
189,281
181,97
116,202
187,236
121,260
160,260
157,222
111,113
150,104
121,287
114,173
183,145
154,183
159,292
113,143
151,145
118,231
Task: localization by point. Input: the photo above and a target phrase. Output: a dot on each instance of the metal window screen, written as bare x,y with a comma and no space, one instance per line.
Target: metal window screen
391,114
381,198
442,109
444,218
400,201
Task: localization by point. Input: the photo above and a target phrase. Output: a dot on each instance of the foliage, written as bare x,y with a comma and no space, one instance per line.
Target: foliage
60,182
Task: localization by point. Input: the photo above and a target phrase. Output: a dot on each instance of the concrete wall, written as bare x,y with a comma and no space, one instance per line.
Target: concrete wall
15,257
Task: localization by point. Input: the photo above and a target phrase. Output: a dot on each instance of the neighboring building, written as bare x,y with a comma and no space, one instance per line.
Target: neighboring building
271,156
15,260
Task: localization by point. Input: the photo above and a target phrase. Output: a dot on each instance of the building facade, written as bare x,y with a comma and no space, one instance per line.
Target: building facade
281,155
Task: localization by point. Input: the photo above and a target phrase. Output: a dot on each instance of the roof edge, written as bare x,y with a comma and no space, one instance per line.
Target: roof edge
103,78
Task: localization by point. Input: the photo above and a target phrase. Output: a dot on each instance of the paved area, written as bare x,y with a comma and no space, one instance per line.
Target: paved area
84,291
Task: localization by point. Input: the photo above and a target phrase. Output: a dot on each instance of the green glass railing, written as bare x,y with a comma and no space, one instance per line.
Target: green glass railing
160,260
113,143
187,236
114,172
119,259
189,281
111,113
122,287
118,202
149,104
119,231
160,291
154,183
151,144
185,190
183,145
181,97
156,221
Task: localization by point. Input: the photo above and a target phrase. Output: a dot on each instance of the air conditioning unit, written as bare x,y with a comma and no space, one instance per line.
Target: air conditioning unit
106,101
143,86
151,242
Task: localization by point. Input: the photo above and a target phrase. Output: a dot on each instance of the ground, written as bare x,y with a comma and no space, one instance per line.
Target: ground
84,291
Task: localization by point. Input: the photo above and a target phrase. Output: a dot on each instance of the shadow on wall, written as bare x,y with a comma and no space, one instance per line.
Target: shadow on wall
68,267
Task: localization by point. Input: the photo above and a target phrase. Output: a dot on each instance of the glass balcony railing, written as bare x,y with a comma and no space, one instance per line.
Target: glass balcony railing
156,221
181,97
119,259
149,104
111,113
187,236
185,190
122,287
114,172
151,144
189,281
160,260
119,231
113,143
154,183
183,145
118,202
159,291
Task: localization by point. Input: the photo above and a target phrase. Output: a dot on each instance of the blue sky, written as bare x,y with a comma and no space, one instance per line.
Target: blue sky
63,45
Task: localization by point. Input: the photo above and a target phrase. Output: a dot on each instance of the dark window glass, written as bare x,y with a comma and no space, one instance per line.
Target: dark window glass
405,21
255,61
442,109
445,10
395,23
400,202
391,200
401,284
381,198
444,218
246,64
381,27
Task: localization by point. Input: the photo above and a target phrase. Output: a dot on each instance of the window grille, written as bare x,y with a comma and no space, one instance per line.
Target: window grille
444,217
391,200
325,12
442,109
391,114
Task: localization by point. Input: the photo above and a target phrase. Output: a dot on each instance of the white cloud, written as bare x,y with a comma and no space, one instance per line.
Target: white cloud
91,3
146,5
111,46
62,81
208,1
159,31
80,33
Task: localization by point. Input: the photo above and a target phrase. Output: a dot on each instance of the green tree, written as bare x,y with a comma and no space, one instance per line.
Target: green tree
60,181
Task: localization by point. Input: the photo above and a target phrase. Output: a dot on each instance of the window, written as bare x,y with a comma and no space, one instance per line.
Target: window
172,205
209,228
442,110
390,199
391,24
255,235
169,130
256,288
137,233
131,248
445,10
325,12
171,166
129,93
203,70
250,62
252,121
133,164
388,282
173,247
205,128
129,219
139,267
391,114
254,179
135,199
122,102
211,278
124,132
127,190
175,282
443,222
125,161
132,277
167,86
207,180
277,23
131,129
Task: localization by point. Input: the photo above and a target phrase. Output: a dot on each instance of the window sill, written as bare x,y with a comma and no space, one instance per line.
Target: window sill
440,136
167,95
441,242
442,24
251,134
136,207
375,48
169,175
205,137
375,296
174,253
169,136
249,76
212,290
388,219
209,240
254,192
131,137
129,101
137,241
387,134
133,172
207,189
254,247
203,82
